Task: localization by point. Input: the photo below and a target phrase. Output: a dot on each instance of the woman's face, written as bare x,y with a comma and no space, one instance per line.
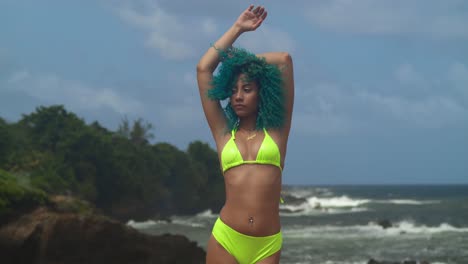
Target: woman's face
244,98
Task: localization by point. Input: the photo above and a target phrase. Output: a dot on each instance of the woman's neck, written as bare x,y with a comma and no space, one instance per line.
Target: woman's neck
248,123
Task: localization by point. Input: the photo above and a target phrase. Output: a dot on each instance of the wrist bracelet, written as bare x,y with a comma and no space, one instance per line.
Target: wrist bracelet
220,52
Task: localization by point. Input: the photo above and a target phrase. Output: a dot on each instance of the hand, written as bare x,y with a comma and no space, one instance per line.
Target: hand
251,18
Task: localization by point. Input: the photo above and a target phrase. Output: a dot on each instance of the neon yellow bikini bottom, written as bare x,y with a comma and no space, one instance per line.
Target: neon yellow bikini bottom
246,249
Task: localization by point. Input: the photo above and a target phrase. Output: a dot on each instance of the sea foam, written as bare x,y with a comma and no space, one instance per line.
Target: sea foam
406,201
331,205
206,214
144,224
315,205
405,227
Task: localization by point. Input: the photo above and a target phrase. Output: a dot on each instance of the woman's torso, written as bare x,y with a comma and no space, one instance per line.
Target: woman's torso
253,190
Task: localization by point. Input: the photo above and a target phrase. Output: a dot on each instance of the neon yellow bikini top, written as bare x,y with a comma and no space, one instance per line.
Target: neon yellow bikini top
267,154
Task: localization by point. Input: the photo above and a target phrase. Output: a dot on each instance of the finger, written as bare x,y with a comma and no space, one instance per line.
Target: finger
260,12
257,24
264,15
255,11
262,9
250,8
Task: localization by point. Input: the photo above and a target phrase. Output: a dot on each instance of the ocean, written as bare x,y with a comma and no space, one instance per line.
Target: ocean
343,224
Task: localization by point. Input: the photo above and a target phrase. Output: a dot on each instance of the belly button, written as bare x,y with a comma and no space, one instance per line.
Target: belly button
251,220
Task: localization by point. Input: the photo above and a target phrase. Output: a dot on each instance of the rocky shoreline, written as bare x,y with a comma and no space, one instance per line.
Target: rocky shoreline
71,231
373,261
57,233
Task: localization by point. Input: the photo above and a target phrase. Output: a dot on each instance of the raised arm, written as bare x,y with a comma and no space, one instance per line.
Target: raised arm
284,61
249,20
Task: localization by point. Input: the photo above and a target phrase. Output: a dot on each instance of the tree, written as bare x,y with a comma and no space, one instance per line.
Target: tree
207,163
5,142
55,151
124,128
48,126
139,134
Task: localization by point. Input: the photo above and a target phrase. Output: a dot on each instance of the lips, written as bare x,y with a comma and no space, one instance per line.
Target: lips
239,106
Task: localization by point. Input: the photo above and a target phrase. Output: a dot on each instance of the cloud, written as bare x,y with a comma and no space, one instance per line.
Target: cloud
174,36
338,112
408,82
267,38
50,88
6,61
435,111
18,77
333,108
406,74
218,9
190,79
182,116
429,18
180,106
165,31
209,26
321,123
179,37
458,76
322,110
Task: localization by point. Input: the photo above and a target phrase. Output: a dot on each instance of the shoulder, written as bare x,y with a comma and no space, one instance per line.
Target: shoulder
223,138
278,135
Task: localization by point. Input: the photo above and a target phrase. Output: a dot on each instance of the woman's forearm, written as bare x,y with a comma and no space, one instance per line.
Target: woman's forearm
249,20
276,58
210,60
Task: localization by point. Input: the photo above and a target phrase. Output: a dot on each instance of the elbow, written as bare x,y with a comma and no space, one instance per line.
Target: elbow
286,58
201,67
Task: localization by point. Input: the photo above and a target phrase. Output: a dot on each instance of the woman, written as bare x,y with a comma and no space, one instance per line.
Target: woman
251,136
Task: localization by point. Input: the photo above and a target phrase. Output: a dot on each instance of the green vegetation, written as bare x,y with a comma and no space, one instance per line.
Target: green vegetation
14,195
52,151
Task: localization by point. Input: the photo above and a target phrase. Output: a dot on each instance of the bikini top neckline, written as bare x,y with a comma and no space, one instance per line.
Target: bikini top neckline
268,153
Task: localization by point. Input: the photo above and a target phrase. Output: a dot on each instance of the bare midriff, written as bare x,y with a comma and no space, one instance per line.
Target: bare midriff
252,199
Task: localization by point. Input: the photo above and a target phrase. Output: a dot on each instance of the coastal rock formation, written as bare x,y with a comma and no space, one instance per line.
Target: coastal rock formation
373,261
48,236
291,199
385,223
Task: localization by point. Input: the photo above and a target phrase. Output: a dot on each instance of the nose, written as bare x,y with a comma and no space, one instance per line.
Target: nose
238,95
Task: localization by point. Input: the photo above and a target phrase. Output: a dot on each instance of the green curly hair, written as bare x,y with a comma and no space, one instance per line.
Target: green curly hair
236,61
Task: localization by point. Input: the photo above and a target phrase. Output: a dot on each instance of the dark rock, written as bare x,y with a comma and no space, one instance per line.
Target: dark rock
385,223
135,210
373,261
49,237
129,209
70,204
291,199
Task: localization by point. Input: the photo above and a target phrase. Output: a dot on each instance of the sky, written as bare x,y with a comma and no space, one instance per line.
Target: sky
381,86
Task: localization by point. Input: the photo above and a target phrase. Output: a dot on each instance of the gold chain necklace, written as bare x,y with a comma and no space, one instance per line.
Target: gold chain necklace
250,136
